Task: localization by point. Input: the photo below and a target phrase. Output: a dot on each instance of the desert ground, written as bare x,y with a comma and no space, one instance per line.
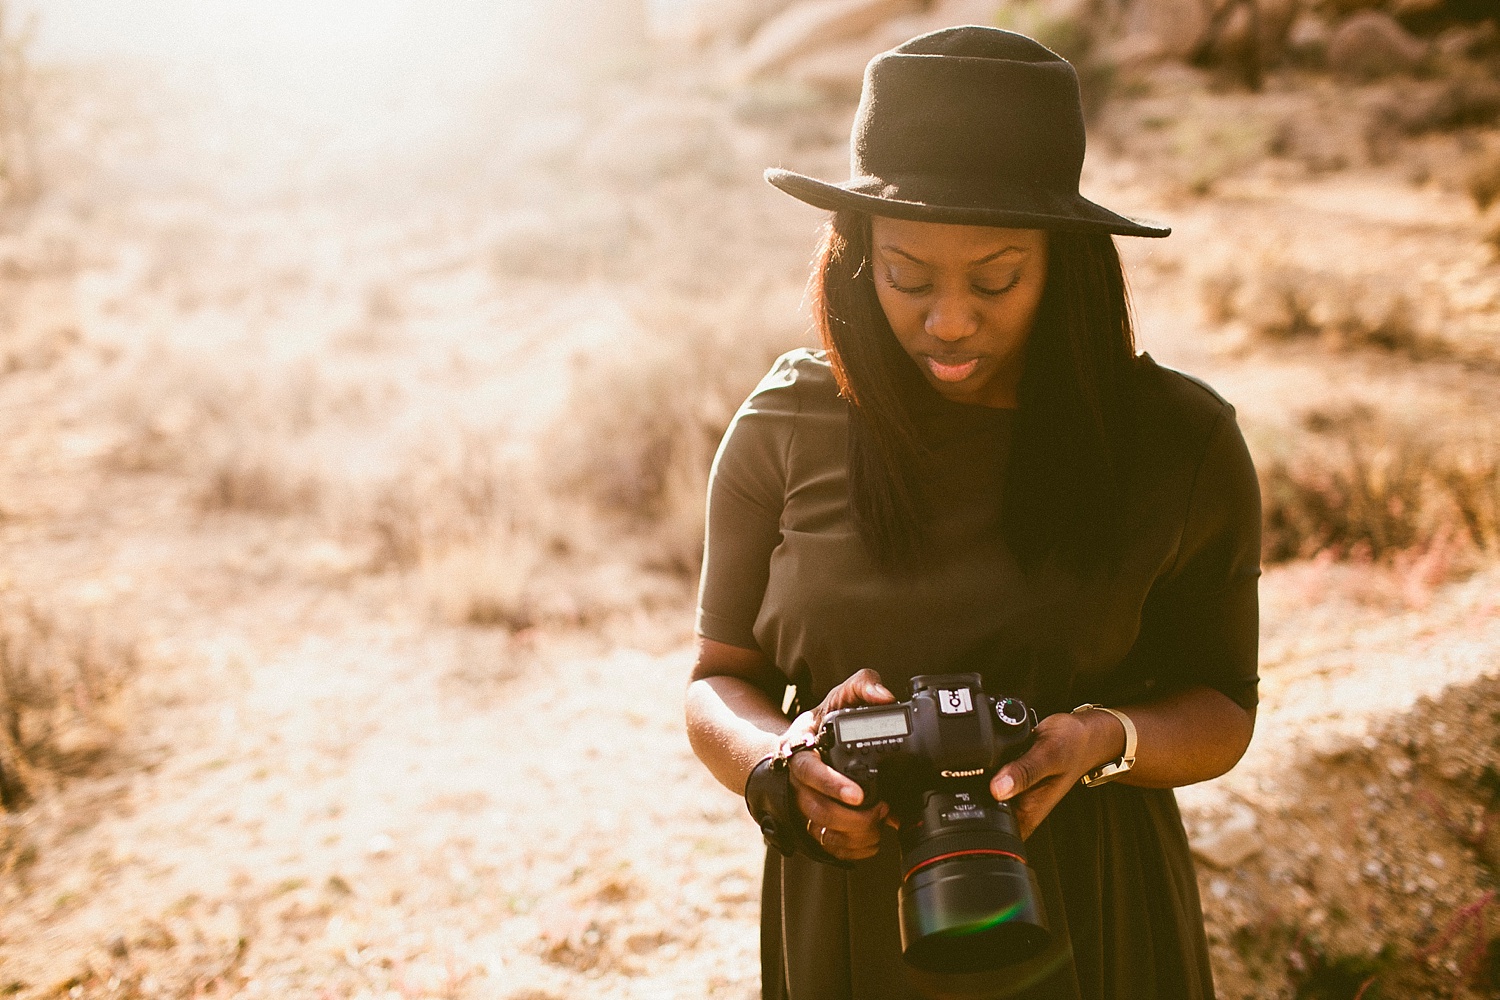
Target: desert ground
350,506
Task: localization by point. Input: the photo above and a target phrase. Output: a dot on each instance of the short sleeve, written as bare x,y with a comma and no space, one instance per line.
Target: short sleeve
746,492
1202,620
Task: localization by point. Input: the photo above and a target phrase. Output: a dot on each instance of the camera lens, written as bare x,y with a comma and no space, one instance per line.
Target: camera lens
968,901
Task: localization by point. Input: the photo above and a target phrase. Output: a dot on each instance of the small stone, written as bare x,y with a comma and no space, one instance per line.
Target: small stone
1219,888
118,946
380,845
1399,767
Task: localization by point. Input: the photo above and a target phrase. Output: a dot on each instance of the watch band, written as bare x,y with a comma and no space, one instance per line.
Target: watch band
1120,765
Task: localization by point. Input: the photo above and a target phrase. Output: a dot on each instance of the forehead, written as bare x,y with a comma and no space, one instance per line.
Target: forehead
939,242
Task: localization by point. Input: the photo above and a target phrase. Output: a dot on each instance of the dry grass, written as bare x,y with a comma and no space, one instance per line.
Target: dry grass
20,177
1280,302
254,479
1359,486
242,442
472,525
642,426
60,679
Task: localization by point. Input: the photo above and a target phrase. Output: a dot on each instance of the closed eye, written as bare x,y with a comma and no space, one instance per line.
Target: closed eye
994,292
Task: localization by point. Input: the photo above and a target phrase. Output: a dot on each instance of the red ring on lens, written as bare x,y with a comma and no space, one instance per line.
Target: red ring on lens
960,854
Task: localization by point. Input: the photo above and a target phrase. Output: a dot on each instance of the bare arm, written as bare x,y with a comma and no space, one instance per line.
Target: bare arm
733,723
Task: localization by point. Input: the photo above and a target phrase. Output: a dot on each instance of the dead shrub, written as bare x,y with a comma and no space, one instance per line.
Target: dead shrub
1358,486
1281,302
1484,182
20,175
488,583
60,678
1469,100
438,501
1473,484
474,527
639,434
572,242
246,441
254,479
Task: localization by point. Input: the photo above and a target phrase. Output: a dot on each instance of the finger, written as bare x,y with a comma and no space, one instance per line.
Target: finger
1035,804
1048,757
861,688
1011,780
853,825
851,843
809,771
1026,771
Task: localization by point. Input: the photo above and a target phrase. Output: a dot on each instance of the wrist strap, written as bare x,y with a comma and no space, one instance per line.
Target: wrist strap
1120,765
773,805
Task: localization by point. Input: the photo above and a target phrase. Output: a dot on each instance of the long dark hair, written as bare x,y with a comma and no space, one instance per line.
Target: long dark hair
1073,432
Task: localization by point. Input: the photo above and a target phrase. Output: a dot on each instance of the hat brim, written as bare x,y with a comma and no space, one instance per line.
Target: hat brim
1014,209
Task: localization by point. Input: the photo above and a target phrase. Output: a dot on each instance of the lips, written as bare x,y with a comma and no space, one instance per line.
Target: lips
951,371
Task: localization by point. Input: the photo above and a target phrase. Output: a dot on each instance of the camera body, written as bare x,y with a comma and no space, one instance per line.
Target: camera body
969,900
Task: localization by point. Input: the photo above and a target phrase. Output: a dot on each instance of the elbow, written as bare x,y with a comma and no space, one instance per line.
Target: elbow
1239,727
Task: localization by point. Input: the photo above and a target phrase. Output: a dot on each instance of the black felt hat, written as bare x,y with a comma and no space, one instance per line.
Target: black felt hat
970,125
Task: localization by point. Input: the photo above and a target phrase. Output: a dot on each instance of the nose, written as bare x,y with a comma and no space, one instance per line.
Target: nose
951,319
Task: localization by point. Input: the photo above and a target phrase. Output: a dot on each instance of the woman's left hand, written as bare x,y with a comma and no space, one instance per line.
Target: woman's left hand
1067,747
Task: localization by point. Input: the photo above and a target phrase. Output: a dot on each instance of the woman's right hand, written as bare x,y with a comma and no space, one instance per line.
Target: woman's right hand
828,800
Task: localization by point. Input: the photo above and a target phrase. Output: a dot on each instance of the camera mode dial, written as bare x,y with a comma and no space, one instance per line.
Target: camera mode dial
1010,711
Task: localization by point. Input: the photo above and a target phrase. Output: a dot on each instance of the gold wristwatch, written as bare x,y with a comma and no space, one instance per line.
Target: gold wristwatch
1121,764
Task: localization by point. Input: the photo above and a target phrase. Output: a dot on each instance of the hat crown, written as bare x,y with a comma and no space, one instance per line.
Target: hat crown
968,126
970,107
974,42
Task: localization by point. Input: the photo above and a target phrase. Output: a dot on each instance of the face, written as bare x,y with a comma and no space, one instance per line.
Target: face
962,301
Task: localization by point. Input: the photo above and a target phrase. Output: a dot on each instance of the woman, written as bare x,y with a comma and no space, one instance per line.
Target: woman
979,474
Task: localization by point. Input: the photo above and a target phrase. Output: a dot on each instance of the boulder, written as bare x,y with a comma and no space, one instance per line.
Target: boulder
1161,29
1464,41
702,22
948,13
1230,842
1414,8
837,69
810,25
840,68
1373,44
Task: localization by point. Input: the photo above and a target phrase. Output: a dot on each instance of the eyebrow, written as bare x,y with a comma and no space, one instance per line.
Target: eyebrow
1004,251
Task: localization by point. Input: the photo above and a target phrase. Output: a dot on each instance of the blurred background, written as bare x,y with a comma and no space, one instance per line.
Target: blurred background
360,368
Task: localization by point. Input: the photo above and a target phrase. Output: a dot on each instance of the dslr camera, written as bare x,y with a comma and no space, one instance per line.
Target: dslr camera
969,900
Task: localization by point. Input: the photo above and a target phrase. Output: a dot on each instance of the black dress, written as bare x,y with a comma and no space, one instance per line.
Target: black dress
785,573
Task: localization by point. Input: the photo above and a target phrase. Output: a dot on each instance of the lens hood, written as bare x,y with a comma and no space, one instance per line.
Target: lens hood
970,912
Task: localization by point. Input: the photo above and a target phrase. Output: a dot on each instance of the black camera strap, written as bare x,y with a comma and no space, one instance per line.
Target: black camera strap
773,805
